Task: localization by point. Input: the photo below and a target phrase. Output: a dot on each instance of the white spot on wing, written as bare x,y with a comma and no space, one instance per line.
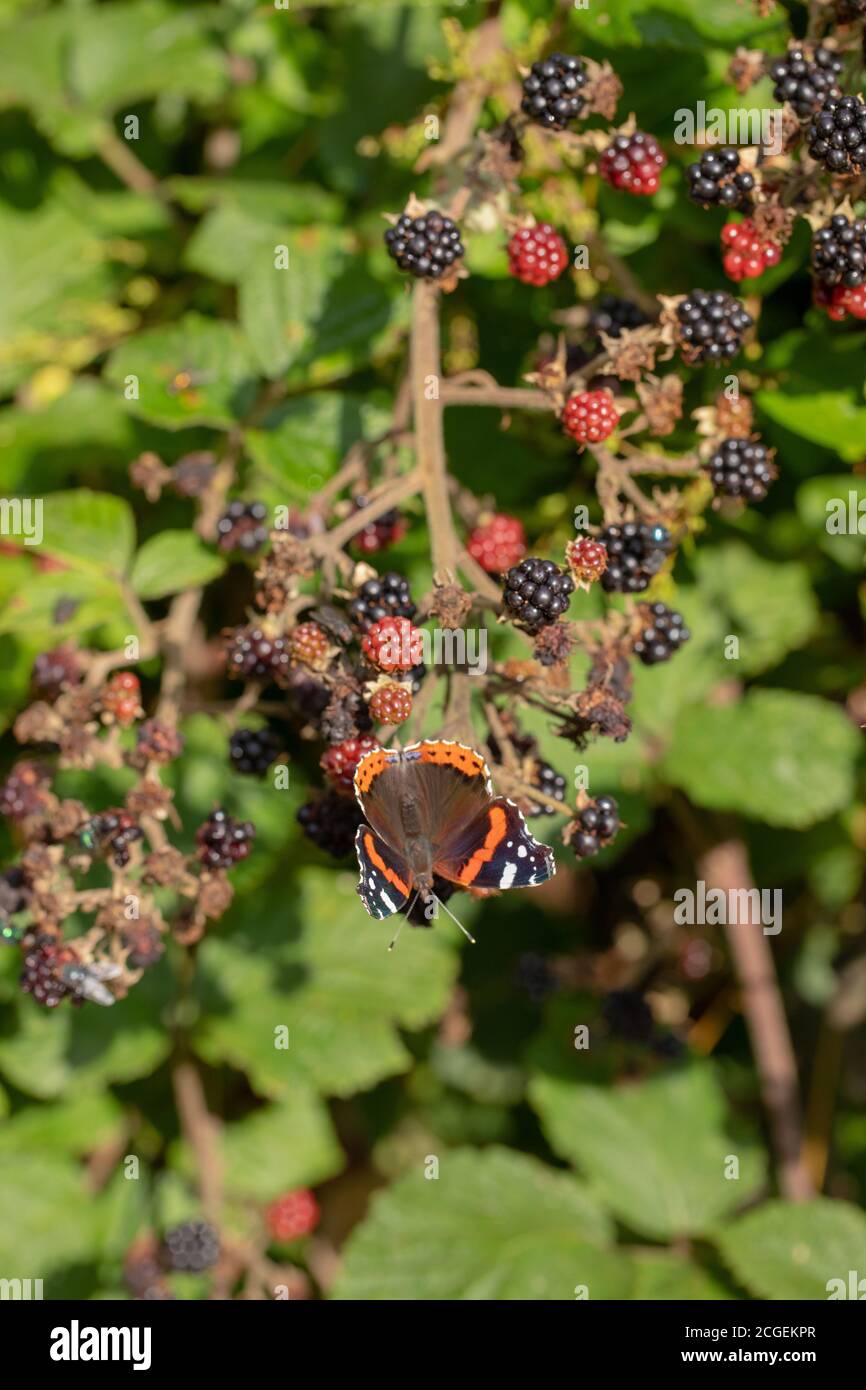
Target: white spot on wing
508,875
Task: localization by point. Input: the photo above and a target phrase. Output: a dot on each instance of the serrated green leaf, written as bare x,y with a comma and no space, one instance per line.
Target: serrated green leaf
494,1225
286,1145
171,561
818,390
794,1251
776,755
92,531
676,1124
770,606
300,445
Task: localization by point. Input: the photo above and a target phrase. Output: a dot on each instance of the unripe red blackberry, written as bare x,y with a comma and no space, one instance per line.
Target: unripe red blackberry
711,326
391,704
222,841
537,255
717,178
386,530
393,644
839,302
339,762
587,560
388,596
41,974
839,252
594,827
243,526
293,1215
23,792
611,315
633,163
804,82
310,645
258,655
426,246
55,671
253,750
498,544
590,416
742,468
636,552
837,135
331,821
536,592
191,1247
158,742
663,633
747,254
551,91
121,698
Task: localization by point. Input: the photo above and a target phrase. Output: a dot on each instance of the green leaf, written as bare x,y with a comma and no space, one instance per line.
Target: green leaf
777,756
136,50
77,1126
672,1278
675,24
301,444
833,506
493,1225
216,355
91,531
314,963
171,561
676,1124
48,1219
768,605
818,390
785,1251
87,425
290,1144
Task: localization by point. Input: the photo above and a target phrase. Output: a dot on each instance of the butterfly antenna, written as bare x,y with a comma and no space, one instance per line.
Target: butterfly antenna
396,937
454,919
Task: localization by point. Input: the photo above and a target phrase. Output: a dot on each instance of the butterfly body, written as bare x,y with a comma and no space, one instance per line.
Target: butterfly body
430,810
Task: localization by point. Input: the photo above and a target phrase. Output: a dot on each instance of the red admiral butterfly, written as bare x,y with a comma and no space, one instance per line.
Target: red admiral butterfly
430,810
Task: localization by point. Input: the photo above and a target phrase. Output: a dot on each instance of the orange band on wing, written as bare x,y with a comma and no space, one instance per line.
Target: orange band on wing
493,838
378,862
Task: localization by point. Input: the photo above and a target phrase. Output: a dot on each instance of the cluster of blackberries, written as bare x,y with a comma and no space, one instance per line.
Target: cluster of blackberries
636,552
257,655
537,592
222,841
386,597
192,1247
611,315
717,178
253,750
839,251
331,821
41,977
663,633
594,827
425,246
243,526
551,91
742,468
802,82
112,832
711,326
837,135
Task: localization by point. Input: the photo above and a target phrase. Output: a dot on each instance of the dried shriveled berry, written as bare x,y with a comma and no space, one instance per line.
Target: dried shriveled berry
55,671
222,841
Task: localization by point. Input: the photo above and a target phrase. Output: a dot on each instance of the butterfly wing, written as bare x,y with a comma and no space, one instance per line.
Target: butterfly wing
385,878
495,850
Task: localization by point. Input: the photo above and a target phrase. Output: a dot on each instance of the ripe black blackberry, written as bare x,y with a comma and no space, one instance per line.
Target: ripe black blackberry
711,326
388,596
612,314
331,821
839,251
193,1246
636,552
425,246
258,655
552,783
222,841
253,750
594,827
41,977
536,592
243,526
551,91
717,178
628,1015
742,468
112,832
663,633
805,82
837,134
